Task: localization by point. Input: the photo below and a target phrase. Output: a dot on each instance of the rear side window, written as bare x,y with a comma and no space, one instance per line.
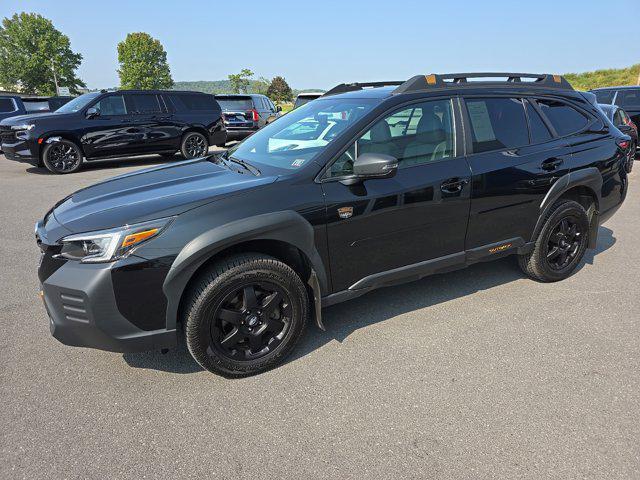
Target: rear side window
618,119
142,103
497,123
539,131
7,105
629,99
604,96
193,103
564,118
235,104
111,105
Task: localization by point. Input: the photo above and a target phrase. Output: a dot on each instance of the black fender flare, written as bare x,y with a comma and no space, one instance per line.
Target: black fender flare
585,177
285,226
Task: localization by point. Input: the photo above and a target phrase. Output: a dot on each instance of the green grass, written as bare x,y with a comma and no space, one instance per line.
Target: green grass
604,78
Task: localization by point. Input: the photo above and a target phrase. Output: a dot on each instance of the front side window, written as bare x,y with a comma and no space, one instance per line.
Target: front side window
497,123
564,118
144,103
299,136
415,135
111,105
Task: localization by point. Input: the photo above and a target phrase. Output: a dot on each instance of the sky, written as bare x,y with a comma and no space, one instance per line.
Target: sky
321,44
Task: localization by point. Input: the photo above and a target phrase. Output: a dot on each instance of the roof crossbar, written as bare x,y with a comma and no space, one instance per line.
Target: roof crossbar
352,87
426,82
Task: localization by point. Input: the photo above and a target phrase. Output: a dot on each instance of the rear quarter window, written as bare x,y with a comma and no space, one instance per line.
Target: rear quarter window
194,103
629,99
564,118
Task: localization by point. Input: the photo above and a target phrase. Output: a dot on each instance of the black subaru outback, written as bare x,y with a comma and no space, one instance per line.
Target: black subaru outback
122,123
370,185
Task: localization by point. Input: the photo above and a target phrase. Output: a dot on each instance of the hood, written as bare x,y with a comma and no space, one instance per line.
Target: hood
152,193
20,119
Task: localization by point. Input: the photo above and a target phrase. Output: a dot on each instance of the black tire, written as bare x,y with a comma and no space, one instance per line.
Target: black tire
544,263
226,330
62,157
194,145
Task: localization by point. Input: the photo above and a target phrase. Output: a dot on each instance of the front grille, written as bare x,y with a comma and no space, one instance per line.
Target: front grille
7,135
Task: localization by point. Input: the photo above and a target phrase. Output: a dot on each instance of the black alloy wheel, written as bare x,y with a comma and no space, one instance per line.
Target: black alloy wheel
251,321
565,241
62,157
195,145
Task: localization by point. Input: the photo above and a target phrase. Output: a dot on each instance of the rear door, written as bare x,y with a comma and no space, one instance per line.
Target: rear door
150,120
420,214
515,159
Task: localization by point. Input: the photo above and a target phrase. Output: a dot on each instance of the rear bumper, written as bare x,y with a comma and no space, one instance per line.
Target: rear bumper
239,133
83,312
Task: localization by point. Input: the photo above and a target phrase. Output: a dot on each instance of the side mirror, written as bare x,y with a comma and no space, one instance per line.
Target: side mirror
372,165
92,112
278,108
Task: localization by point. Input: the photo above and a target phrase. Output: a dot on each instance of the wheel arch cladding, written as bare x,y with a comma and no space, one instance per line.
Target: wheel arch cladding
585,187
284,229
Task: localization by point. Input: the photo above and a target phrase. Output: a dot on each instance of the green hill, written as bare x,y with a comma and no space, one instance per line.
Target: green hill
604,78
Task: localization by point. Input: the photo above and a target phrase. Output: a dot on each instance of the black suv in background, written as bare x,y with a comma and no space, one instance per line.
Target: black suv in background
115,124
367,186
626,97
13,105
245,114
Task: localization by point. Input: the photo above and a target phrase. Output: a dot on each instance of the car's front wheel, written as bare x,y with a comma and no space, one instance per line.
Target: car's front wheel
244,315
62,157
194,145
560,245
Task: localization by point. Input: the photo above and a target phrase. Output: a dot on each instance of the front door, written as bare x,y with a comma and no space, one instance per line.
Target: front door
111,131
420,214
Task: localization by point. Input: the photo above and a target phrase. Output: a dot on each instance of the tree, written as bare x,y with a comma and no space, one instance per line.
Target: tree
240,81
34,55
279,90
261,85
143,63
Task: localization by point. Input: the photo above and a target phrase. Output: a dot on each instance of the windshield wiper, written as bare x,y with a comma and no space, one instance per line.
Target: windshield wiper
243,163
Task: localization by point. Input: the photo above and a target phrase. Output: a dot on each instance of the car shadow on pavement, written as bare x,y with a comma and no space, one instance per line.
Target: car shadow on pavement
379,305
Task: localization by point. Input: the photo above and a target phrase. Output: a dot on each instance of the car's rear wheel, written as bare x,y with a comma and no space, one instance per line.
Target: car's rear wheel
560,245
194,145
244,315
62,157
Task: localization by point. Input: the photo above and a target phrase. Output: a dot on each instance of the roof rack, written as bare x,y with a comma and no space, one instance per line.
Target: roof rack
426,82
352,87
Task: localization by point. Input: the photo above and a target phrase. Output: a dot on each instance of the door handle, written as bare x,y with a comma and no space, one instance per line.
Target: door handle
453,185
551,164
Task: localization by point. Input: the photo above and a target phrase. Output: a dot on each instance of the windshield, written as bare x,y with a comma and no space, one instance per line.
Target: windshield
235,103
78,103
297,137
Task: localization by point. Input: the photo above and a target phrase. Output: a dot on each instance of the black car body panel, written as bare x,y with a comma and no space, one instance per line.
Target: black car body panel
344,238
129,123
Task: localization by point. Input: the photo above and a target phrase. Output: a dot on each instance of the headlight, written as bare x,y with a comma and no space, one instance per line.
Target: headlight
110,245
24,126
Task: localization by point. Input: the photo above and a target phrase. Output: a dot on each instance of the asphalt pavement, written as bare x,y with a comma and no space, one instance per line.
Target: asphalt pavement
479,373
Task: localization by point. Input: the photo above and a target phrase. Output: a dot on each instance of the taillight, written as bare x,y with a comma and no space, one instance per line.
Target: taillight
253,114
623,144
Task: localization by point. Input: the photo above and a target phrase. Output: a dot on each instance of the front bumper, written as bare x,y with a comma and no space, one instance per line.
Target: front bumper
21,150
83,311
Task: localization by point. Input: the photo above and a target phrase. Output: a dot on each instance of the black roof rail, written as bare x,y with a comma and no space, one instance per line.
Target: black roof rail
353,87
426,82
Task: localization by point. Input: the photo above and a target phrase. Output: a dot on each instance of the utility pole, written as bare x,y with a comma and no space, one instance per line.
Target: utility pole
55,77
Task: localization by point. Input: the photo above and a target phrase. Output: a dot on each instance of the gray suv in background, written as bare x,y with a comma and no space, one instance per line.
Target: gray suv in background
245,114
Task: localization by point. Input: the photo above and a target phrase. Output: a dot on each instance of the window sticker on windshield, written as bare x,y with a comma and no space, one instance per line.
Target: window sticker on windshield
298,162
